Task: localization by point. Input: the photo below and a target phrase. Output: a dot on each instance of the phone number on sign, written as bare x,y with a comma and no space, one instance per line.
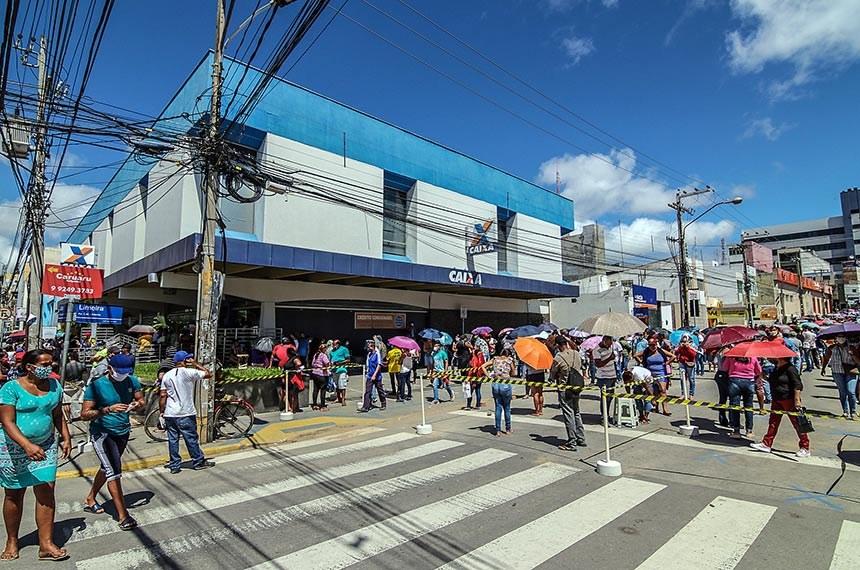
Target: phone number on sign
72,289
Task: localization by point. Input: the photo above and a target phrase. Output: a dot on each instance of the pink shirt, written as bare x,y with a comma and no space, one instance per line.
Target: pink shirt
737,369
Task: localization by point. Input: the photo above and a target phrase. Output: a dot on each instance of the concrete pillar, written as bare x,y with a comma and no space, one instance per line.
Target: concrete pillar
267,315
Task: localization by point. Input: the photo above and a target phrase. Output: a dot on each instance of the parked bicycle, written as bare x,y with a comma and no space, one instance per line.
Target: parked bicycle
233,418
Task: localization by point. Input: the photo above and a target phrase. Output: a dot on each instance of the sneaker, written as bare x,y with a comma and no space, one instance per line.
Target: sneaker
434,402
581,443
361,411
205,465
803,453
760,447
175,470
382,409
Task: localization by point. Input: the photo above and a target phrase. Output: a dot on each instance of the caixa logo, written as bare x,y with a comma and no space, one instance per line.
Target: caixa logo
464,277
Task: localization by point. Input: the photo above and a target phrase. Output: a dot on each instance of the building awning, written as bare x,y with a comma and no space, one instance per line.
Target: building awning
255,260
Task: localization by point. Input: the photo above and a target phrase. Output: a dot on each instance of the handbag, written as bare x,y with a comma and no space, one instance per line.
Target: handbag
297,381
804,424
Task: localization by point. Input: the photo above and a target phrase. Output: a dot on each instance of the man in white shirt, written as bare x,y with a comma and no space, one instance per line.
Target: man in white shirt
606,375
179,412
807,339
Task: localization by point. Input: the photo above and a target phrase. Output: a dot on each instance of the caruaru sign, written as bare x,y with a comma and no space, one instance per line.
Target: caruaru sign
461,277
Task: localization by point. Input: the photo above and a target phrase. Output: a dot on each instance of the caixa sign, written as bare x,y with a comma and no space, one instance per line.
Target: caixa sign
464,278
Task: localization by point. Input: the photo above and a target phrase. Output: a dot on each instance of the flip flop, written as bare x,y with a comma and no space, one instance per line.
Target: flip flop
8,556
61,554
128,524
95,509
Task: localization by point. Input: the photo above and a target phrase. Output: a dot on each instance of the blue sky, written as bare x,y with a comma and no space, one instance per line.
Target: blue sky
754,97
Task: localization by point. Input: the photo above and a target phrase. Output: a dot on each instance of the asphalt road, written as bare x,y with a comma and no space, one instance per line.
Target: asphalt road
383,497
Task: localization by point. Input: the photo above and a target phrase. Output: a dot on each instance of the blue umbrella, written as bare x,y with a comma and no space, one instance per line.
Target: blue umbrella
524,331
431,334
548,327
445,339
675,337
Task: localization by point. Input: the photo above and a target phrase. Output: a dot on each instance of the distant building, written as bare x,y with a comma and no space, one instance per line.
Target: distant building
583,254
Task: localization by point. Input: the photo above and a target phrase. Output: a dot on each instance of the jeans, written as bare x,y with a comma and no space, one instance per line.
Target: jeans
568,401
723,390
690,374
808,358
741,389
502,394
700,364
847,384
775,419
369,385
187,428
476,392
404,385
437,382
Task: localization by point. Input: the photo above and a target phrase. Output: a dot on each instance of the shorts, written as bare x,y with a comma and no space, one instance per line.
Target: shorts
109,449
342,379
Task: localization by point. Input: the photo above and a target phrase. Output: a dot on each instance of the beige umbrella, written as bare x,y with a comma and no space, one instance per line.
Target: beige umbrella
613,324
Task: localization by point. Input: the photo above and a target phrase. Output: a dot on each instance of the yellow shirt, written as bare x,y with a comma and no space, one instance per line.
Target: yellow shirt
395,355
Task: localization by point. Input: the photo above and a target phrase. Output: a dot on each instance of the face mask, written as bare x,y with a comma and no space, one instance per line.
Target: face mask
117,377
42,372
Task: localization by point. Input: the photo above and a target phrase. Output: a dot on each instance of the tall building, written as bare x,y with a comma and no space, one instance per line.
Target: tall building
583,254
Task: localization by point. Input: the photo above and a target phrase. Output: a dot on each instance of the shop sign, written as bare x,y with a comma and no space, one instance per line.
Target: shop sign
644,297
73,281
77,254
478,238
99,314
49,332
380,320
461,277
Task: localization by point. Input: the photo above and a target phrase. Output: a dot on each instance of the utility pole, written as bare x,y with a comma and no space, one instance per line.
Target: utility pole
747,287
36,201
210,282
683,274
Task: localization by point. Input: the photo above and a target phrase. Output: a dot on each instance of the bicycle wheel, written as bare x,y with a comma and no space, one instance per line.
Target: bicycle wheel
234,419
151,427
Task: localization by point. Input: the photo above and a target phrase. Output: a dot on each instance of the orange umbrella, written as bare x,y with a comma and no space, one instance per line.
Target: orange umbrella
534,353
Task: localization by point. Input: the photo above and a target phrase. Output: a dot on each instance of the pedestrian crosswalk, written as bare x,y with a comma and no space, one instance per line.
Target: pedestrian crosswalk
396,499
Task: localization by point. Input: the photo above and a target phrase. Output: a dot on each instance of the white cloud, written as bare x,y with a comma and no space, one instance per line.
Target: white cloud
764,127
811,35
609,3
603,183
637,237
576,48
745,191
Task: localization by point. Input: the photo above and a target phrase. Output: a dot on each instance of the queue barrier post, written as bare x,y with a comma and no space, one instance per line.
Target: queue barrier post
423,428
687,430
286,414
607,467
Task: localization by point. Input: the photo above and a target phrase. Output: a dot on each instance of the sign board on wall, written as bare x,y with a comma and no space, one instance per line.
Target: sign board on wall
644,297
73,281
77,254
99,314
49,332
478,238
380,320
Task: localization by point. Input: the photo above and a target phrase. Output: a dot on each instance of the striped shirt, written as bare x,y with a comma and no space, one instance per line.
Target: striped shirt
839,357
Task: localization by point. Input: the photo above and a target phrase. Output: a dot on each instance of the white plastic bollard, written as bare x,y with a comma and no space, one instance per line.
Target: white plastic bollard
687,430
286,414
423,428
607,466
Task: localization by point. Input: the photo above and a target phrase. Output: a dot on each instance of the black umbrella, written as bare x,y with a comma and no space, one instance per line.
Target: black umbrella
524,331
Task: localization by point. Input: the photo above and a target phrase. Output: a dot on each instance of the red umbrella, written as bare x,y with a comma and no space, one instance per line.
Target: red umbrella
17,334
761,349
727,335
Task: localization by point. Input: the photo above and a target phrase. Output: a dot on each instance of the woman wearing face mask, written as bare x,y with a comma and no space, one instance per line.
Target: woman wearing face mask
30,412
787,386
843,363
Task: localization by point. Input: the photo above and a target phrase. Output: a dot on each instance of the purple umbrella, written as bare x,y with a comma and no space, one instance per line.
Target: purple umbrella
579,334
482,330
591,342
840,329
404,342
548,327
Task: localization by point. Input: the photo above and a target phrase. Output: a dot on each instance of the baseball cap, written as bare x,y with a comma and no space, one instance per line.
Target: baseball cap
181,356
120,364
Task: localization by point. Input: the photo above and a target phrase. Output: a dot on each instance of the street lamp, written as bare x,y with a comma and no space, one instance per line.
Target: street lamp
680,209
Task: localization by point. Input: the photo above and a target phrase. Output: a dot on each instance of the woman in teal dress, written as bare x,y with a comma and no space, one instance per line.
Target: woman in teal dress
30,413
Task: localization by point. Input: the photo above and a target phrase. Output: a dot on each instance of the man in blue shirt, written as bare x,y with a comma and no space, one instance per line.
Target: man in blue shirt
373,378
108,401
440,367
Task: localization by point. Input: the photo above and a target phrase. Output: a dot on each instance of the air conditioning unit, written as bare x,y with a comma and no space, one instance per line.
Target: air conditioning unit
16,139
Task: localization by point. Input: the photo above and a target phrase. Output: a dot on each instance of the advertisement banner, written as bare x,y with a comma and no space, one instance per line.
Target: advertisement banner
99,314
380,320
644,297
73,281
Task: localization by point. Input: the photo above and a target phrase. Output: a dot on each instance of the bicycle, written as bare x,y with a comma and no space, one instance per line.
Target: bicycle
233,418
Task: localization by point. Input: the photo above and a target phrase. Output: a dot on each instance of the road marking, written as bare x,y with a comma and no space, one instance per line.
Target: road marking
154,552
68,508
717,538
369,541
536,542
847,554
180,509
685,442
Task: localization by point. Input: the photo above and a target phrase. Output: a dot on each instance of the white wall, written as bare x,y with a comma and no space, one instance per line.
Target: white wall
173,206
124,236
567,313
538,246
101,240
301,220
447,248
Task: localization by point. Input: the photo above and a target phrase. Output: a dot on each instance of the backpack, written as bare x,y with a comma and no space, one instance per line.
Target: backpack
265,344
381,348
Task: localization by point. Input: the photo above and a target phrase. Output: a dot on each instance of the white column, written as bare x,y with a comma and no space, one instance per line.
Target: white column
267,315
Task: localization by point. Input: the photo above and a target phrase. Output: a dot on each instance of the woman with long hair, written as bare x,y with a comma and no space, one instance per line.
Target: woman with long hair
30,412
503,367
656,359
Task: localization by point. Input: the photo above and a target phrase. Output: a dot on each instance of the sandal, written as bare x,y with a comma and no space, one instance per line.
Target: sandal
7,556
61,554
95,508
128,524
566,447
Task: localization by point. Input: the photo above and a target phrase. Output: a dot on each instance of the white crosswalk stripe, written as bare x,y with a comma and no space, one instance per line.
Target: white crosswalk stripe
171,548
847,553
360,545
538,541
186,508
717,538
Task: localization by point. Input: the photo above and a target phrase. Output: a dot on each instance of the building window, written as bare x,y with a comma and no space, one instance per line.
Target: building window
504,240
395,208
